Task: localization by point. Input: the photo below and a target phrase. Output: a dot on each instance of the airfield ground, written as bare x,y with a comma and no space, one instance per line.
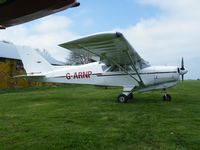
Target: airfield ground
87,117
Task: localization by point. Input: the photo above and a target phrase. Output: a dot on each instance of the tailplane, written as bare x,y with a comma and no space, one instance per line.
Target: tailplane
33,62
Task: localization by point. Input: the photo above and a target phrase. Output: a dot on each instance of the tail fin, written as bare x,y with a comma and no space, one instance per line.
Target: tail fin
33,62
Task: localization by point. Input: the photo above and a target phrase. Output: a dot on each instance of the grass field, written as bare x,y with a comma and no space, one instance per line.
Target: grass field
87,117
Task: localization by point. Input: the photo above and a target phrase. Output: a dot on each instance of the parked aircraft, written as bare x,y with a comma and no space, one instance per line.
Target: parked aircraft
118,65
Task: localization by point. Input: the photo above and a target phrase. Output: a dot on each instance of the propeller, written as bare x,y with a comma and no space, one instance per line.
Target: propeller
182,69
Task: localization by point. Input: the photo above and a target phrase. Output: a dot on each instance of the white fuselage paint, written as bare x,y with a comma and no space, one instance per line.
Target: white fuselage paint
94,74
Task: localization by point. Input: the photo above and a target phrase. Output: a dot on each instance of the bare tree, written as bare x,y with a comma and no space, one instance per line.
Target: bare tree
45,53
78,59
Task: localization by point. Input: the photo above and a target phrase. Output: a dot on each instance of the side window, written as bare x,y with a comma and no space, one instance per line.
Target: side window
115,68
104,67
112,69
129,68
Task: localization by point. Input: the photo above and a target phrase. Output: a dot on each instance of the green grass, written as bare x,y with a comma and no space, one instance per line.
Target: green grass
87,117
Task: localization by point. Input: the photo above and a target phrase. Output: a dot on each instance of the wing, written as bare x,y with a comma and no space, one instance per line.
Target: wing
111,48
14,12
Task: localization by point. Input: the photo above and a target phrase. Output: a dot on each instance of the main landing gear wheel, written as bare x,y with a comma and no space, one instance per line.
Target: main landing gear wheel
122,98
167,97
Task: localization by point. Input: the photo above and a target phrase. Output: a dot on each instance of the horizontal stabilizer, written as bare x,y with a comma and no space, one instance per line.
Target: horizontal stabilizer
25,76
30,77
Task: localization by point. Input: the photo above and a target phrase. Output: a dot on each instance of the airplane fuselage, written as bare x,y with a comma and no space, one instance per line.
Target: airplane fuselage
98,74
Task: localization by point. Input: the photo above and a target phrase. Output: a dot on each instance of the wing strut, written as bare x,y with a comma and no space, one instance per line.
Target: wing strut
133,65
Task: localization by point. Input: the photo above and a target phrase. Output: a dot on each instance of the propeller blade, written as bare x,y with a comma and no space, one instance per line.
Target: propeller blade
182,64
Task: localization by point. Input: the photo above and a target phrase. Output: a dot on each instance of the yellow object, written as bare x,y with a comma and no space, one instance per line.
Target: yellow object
10,68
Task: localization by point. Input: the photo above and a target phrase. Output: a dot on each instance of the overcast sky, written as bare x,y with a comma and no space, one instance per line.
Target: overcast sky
161,31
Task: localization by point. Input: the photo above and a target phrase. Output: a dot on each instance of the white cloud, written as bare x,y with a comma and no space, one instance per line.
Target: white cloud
169,35
52,24
166,36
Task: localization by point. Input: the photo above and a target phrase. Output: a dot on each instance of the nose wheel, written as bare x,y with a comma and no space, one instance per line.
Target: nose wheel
166,96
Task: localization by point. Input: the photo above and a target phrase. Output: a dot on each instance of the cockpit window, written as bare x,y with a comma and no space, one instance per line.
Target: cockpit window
127,67
113,69
104,67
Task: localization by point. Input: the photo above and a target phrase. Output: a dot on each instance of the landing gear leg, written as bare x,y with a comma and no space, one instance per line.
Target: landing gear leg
166,96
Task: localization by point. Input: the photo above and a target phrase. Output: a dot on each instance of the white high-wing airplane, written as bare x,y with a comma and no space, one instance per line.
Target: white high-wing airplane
119,65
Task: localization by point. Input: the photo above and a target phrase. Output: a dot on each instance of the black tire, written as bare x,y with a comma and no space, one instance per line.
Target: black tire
167,97
122,98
